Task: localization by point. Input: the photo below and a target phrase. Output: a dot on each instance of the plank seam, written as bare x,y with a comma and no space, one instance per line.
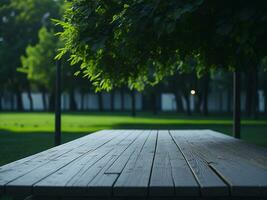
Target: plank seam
73,148
112,192
110,160
209,164
192,171
97,159
173,182
32,186
122,153
221,177
156,144
5,185
37,155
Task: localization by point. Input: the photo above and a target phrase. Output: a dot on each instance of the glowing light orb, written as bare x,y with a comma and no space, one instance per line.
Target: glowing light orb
193,92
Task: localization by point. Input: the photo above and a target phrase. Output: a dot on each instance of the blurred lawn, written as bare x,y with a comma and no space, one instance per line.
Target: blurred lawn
23,134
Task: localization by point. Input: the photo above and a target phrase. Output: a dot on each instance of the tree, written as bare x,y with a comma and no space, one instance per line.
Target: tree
40,67
38,63
139,42
19,25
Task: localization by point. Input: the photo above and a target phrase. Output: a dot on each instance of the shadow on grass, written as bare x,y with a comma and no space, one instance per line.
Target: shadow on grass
166,115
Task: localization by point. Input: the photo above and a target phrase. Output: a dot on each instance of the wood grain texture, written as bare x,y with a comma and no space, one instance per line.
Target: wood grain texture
245,176
171,174
78,171
142,164
134,179
210,183
18,168
25,178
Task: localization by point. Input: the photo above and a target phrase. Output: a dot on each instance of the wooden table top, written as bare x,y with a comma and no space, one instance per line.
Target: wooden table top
142,163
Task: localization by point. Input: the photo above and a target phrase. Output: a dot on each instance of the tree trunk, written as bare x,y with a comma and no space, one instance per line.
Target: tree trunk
220,101
198,103
30,97
179,102
236,104
206,94
122,99
52,101
43,91
19,99
154,101
249,92
1,106
73,104
133,103
82,101
229,99
112,101
12,102
100,102
57,102
187,101
255,104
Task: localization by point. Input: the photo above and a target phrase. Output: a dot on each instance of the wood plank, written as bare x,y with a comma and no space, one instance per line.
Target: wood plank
83,177
171,174
72,143
250,152
18,168
102,183
134,179
210,183
245,177
84,169
133,150
161,182
23,183
151,165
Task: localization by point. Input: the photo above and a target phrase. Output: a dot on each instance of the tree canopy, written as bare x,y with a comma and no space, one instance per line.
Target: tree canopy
20,21
140,42
38,63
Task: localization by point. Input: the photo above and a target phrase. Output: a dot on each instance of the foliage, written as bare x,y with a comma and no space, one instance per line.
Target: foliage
20,21
139,42
38,62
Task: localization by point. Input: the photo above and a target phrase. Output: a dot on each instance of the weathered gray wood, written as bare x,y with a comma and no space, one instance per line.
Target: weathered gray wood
83,170
18,168
53,150
248,151
102,183
22,184
133,150
83,177
171,174
121,164
134,178
210,183
109,178
161,182
245,177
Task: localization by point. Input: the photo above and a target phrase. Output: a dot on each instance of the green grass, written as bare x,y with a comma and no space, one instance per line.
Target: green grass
23,134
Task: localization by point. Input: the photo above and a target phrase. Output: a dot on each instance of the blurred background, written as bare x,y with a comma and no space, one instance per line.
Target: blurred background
28,46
